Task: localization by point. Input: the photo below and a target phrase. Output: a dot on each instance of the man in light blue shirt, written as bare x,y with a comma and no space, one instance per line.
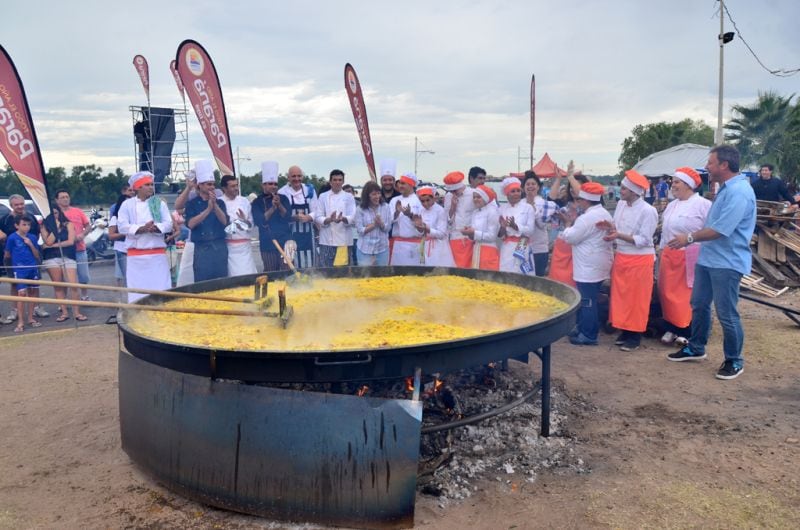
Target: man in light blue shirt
724,257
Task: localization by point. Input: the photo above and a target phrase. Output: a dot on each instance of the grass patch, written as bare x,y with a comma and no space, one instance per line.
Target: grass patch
690,505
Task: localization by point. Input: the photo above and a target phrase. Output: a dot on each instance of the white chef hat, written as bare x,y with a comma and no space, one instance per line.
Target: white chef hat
204,171
269,171
389,167
140,178
482,191
410,179
510,183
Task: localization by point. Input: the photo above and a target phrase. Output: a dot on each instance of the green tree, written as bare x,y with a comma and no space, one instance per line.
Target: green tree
766,131
789,161
653,137
10,184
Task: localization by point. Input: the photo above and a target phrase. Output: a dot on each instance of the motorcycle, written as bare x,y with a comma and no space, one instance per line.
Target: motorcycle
98,246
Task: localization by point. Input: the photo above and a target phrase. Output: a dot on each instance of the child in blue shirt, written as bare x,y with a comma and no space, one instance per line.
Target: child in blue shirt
23,256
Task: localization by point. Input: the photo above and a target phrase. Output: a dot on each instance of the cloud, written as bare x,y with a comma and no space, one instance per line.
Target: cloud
454,74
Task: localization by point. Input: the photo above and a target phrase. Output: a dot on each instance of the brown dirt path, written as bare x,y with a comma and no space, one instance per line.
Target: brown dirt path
667,444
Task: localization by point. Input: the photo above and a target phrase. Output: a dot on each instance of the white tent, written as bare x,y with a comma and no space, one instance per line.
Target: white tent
667,161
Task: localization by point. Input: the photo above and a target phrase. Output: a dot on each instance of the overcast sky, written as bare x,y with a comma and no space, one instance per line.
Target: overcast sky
454,74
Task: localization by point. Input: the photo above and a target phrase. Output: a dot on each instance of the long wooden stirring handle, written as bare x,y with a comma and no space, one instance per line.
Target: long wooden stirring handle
287,260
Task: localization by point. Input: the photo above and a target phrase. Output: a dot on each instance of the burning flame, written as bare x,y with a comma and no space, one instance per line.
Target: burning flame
429,389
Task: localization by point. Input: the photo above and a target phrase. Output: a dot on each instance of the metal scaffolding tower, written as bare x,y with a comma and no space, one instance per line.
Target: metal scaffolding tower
179,162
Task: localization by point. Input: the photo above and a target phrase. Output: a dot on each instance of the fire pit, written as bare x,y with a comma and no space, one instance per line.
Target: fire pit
189,416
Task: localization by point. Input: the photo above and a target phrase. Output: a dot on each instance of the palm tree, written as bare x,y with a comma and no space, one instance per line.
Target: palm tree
758,130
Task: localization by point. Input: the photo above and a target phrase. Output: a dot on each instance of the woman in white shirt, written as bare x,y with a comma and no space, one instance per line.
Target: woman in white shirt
686,214
544,211
516,230
483,229
373,222
432,225
592,256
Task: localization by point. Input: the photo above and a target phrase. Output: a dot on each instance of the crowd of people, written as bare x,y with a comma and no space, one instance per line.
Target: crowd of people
566,234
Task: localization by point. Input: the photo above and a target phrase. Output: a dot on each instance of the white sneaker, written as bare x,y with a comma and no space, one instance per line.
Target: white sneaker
39,312
12,317
681,341
668,338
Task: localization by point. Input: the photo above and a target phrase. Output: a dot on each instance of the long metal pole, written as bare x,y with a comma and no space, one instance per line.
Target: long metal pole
416,155
718,134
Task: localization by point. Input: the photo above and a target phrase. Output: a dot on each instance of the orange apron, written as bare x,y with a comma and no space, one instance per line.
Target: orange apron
489,258
673,291
462,252
631,291
561,263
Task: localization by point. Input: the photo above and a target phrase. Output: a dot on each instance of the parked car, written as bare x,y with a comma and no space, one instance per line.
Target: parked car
30,207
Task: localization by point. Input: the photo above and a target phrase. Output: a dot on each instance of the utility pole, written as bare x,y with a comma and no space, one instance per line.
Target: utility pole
721,38
417,152
239,166
724,38
521,157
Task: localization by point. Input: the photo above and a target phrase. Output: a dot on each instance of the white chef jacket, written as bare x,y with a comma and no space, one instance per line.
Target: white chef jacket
403,226
591,256
640,220
135,213
335,234
463,214
523,215
683,217
486,222
232,207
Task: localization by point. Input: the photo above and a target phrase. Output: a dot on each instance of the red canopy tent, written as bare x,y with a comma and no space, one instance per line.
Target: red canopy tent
544,168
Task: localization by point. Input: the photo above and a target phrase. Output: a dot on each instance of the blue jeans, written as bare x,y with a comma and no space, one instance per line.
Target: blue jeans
367,260
120,265
588,322
83,266
722,287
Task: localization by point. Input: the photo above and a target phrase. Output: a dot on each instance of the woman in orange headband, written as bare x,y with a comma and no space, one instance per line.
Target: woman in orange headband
432,225
516,229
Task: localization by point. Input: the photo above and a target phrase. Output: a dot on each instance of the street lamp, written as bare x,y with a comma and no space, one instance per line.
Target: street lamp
417,152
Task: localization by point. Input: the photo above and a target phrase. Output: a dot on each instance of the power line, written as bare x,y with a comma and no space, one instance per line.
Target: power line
779,72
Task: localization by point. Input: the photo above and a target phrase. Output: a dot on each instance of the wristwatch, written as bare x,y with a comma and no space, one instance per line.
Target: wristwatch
689,239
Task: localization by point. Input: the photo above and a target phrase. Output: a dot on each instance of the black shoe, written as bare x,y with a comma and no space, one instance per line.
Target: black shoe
685,354
631,344
574,333
729,370
621,338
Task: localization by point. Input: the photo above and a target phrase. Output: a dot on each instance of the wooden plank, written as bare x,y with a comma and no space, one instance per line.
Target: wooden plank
767,248
772,275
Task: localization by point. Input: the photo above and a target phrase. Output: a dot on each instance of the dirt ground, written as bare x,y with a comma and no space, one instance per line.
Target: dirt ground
667,445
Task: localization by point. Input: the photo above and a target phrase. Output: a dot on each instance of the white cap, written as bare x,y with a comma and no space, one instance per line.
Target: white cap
204,171
410,179
269,171
589,196
389,167
628,183
483,194
140,175
510,181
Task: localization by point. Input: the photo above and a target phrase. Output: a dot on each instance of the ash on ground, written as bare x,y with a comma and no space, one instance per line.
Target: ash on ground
507,448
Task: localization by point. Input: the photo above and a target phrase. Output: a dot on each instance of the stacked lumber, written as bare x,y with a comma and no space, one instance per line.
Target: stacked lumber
755,284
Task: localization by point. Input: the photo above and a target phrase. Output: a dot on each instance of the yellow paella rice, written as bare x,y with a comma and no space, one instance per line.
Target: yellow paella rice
354,313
